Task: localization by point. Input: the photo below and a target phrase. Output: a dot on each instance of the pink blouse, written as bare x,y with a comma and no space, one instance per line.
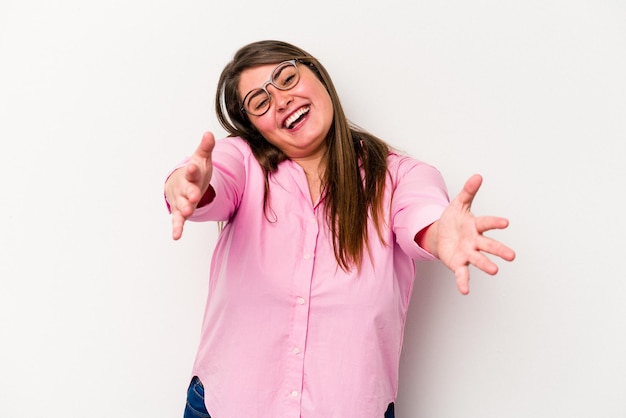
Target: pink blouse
286,332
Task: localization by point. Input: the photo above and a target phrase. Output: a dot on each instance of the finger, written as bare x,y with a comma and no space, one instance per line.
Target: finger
466,196
192,173
192,196
486,223
494,247
205,148
177,225
462,279
482,262
190,191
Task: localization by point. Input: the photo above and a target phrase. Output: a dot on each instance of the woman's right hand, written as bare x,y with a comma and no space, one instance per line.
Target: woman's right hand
188,184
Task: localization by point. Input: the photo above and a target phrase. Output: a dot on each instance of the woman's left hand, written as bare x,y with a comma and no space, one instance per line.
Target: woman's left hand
460,240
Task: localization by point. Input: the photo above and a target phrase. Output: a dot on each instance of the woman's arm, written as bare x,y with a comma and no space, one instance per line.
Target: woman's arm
457,237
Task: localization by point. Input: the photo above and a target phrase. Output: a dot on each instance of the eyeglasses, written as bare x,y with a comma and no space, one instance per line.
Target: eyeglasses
284,77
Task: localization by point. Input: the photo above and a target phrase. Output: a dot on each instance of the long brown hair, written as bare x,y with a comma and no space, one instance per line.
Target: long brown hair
356,161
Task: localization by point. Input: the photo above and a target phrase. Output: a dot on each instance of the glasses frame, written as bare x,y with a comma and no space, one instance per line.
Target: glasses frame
294,63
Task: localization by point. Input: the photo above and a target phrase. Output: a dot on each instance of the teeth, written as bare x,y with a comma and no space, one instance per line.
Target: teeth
291,119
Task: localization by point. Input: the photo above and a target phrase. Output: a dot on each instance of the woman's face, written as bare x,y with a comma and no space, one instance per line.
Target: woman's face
298,119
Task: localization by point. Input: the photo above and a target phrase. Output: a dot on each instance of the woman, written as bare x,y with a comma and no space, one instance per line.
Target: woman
312,273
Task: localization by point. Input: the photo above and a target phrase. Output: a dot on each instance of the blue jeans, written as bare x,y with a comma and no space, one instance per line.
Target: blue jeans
195,402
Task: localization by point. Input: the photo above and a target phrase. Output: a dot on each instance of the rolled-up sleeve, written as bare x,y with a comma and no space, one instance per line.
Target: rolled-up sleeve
419,197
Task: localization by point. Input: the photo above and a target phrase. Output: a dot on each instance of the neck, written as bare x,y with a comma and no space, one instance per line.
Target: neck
313,165
314,171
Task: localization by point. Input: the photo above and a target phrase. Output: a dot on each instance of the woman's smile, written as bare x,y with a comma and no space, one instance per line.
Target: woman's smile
298,119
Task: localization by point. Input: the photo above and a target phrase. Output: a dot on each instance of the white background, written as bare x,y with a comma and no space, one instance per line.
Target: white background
100,310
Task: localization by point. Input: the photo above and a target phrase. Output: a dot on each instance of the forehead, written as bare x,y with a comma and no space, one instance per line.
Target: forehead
254,77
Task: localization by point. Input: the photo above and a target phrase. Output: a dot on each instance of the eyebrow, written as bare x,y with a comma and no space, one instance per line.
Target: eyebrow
255,92
277,74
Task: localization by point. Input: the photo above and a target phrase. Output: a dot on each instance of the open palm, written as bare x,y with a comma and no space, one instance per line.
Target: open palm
461,242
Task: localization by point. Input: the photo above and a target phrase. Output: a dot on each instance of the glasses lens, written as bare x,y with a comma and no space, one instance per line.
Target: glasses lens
285,76
257,102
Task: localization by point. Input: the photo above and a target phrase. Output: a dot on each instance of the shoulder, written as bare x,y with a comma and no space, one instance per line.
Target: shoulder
233,143
401,166
398,161
233,148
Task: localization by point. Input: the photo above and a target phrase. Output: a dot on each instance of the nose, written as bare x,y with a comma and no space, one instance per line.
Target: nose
281,98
